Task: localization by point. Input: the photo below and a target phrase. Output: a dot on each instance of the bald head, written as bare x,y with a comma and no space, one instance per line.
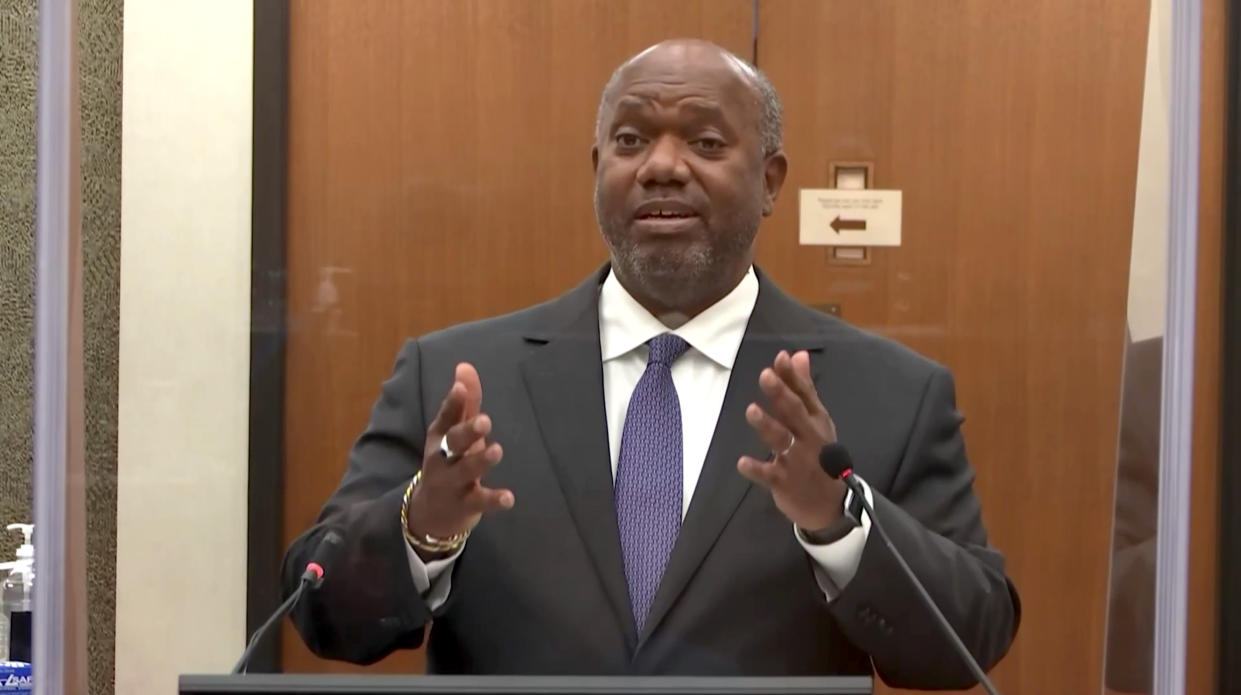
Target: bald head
685,54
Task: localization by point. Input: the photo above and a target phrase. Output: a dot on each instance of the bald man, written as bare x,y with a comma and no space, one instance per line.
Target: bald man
642,494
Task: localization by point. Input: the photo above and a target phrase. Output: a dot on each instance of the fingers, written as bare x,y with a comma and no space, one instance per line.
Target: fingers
455,490
476,457
794,370
463,401
465,430
766,473
786,406
451,410
481,500
809,393
458,417
471,467
467,376
801,362
468,437
775,435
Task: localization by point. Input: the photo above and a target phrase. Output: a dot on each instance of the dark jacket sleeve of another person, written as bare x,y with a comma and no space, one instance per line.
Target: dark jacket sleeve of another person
934,519
367,605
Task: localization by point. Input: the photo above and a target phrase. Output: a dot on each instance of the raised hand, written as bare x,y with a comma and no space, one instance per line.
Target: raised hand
796,427
450,497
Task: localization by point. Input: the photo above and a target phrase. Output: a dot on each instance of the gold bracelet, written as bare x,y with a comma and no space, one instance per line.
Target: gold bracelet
425,543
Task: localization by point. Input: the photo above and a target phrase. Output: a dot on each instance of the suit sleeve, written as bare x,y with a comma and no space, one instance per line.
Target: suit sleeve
934,519
368,606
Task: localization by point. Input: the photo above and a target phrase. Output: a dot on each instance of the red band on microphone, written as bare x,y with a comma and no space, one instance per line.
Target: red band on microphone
846,473
316,568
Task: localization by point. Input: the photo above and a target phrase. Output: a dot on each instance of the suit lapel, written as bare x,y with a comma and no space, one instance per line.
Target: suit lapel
565,380
776,324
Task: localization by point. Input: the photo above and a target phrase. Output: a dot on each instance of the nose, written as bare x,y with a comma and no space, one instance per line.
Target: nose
664,164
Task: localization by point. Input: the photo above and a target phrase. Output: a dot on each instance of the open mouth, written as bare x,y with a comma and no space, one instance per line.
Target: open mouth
665,215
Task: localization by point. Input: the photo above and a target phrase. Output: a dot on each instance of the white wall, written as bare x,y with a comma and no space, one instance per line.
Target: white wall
1149,256
184,340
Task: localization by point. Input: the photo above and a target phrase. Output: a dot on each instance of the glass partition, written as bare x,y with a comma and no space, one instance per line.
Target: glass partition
549,316
1131,603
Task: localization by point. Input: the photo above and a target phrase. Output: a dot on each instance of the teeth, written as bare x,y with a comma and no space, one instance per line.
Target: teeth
671,214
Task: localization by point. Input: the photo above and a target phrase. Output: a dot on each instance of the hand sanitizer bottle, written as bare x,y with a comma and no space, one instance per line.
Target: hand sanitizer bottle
17,599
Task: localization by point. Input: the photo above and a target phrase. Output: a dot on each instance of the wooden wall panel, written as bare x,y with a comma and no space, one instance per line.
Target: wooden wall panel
1012,128
439,171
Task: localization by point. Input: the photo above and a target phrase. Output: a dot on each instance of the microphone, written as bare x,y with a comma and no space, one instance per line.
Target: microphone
327,550
836,462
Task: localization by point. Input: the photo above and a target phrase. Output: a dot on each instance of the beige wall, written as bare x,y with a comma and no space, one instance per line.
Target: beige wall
1148,261
184,340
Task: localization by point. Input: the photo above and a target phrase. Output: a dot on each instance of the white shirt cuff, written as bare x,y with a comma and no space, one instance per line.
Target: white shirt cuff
433,579
836,563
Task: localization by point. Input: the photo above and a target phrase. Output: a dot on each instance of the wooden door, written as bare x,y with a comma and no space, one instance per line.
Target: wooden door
439,171
1012,128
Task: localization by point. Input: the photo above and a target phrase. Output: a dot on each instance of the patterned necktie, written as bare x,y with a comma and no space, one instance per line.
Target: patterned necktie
649,474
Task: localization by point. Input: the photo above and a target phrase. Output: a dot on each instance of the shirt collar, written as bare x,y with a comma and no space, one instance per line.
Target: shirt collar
625,325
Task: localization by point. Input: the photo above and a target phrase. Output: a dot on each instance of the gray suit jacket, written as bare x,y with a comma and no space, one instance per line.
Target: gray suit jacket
540,588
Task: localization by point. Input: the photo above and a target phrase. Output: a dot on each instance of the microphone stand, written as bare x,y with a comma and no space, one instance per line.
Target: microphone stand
944,626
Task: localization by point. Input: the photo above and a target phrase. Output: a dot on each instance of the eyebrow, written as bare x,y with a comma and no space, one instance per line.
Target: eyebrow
629,104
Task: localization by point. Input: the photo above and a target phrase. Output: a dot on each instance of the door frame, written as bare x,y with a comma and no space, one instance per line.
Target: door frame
268,329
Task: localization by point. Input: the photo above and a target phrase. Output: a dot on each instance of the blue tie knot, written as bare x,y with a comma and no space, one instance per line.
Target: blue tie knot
666,349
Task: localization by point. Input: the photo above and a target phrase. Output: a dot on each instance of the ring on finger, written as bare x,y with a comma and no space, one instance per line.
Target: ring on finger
792,442
446,451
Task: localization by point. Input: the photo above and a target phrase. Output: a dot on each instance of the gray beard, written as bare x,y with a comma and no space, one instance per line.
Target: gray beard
679,279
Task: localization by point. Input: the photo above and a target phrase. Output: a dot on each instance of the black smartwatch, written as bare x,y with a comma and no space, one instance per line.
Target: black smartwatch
840,528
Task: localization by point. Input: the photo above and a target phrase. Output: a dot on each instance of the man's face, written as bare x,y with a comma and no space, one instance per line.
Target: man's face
681,181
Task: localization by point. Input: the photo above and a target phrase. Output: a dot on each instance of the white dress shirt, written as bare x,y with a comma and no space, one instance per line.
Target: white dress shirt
701,378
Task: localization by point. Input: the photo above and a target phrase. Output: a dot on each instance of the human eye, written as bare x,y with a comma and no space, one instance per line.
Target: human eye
710,144
628,140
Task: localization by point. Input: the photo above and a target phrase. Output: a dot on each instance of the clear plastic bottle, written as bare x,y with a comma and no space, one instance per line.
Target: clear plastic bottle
17,600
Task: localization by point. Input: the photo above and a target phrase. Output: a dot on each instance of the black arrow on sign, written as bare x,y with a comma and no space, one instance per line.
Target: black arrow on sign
849,225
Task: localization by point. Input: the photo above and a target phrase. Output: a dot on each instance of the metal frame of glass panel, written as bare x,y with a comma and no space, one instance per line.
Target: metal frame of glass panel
1176,408
57,143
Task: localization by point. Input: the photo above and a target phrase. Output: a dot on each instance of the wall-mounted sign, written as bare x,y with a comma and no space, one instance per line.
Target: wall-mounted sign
838,217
